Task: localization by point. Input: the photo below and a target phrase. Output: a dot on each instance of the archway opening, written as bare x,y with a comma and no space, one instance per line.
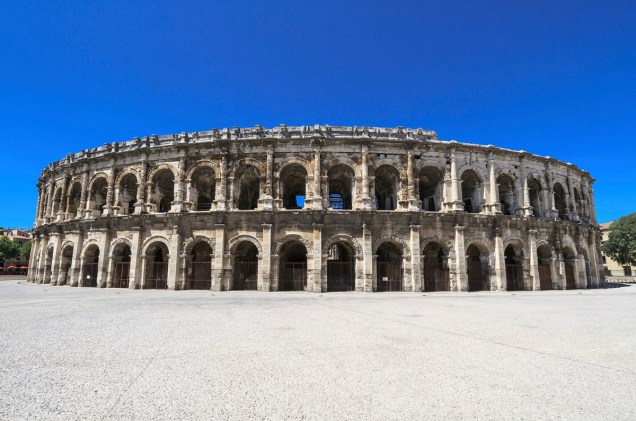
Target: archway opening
97,197
201,266
506,194
535,192
514,268
90,266
430,180
435,270
569,258
387,187
389,267
74,198
157,257
471,191
340,267
544,257
128,194
340,185
121,266
477,266
559,201
65,265
57,202
164,190
249,185
294,181
245,270
293,267
48,268
203,189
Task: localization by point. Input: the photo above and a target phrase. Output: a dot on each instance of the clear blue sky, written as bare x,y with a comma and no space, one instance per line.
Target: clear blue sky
555,78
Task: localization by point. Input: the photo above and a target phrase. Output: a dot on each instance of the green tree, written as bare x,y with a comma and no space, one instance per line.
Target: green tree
24,250
8,248
621,242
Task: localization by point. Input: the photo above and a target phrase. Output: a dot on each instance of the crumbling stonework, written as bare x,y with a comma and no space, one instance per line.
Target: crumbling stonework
314,208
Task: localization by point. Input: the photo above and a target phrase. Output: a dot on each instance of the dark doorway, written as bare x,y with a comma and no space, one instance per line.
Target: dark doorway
245,271
293,267
340,268
389,268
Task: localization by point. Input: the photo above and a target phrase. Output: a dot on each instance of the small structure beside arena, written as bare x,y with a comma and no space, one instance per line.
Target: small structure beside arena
314,208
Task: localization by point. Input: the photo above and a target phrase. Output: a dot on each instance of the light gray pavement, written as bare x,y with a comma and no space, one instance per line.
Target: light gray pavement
80,353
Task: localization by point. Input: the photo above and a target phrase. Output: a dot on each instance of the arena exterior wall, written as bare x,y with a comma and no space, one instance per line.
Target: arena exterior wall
314,208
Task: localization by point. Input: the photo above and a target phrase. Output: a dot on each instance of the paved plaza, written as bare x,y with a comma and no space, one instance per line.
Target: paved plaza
82,353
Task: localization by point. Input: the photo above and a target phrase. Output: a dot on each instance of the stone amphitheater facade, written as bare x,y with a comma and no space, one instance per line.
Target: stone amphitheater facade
314,208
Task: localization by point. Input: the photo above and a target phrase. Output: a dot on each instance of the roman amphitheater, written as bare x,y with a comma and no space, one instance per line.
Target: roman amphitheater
314,208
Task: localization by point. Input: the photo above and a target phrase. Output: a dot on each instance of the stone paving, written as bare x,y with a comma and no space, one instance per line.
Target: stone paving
81,353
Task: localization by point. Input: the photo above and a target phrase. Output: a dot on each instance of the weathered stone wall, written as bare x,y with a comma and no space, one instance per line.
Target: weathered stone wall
490,218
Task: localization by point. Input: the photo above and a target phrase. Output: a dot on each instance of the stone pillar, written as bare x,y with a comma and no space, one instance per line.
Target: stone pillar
32,272
534,260
49,205
414,204
81,210
220,194
416,258
461,276
56,262
493,198
365,199
571,199
108,208
76,264
316,251
265,264
41,269
173,262
266,200
140,205
592,206
219,253
134,276
38,209
500,264
61,212
367,261
102,271
317,199
457,204
177,205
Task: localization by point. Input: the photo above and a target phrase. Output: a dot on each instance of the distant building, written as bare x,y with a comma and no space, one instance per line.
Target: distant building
18,235
613,270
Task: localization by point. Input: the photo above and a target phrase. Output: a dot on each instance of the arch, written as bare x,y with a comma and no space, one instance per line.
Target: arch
200,265
513,257
163,180
95,177
246,258
117,244
328,165
389,266
74,197
97,194
535,192
507,193
157,257
387,187
66,261
478,266
290,238
569,260
394,239
340,186
517,242
190,242
293,181
121,256
203,188
87,244
247,187
236,166
90,265
435,269
126,172
560,202
430,180
381,162
292,161
145,248
344,238
292,265
472,193
206,163
58,199
234,242
160,167
128,186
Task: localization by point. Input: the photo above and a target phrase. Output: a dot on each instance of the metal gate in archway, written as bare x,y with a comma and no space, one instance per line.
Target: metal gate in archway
157,277
569,277
121,275
389,276
201,277
545,277
514,277
294,277
245,275
340,276
90,275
